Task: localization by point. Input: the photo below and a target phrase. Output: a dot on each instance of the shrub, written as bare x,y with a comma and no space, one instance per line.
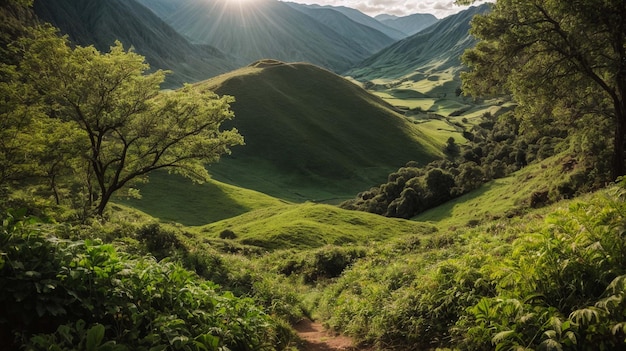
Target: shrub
60,294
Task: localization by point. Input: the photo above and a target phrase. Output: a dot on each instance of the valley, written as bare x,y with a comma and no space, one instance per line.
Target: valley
280,176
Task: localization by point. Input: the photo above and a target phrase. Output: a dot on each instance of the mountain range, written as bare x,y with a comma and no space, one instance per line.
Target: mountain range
101,22
437,48
411,24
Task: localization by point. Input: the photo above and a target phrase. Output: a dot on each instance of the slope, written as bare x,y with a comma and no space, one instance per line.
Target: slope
439,47
101,22
265,29
172,198
411,24
308,225
369,38
312,135
358,17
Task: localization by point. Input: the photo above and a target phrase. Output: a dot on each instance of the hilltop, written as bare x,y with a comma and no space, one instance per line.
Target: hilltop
312,135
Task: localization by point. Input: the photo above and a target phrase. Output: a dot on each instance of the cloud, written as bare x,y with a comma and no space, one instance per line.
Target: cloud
439,8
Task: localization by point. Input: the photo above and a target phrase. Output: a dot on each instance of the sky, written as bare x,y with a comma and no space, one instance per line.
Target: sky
439,8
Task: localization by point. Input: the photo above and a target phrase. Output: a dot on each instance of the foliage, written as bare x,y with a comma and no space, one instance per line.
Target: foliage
495,149
106,126
553,283
67,294
563,62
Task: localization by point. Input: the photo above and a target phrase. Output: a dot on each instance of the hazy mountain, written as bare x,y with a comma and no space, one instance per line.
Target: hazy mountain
265,29
383,17
312,133
163,8
411,24
359,17
439,47
101,22
367,37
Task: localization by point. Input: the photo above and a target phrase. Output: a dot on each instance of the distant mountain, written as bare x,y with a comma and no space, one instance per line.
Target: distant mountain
311,134
411,24
367,37
384,17
265,29
359,17
101,22
439,47
163,8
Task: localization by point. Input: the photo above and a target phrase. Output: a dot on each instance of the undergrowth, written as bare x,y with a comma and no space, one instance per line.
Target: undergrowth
553,283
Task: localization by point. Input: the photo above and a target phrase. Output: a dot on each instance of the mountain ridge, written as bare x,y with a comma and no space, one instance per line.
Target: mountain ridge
439,47
265,29
411,24
100,23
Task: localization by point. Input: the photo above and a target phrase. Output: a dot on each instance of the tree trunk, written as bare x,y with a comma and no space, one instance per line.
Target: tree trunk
104,200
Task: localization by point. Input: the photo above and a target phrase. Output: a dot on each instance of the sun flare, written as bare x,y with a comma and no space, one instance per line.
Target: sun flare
240,2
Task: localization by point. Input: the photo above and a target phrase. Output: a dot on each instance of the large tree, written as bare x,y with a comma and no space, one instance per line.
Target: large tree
562,60
121,125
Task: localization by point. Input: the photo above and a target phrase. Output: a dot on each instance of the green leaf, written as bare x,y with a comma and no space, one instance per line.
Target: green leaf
503,335
95,335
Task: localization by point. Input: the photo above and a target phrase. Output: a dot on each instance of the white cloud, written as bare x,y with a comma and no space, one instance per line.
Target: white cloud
439,8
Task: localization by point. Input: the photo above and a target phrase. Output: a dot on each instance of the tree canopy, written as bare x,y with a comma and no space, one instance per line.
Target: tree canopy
97,122
563,62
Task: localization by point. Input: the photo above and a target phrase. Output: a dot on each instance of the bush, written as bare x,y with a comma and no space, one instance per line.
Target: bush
62,294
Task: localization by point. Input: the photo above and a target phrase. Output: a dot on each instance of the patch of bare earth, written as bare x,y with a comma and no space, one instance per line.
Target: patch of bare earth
316,338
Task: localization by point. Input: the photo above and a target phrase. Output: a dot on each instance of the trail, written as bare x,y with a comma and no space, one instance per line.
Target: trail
317,339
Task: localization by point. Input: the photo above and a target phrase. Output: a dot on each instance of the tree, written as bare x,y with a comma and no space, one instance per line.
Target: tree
563,60
125,127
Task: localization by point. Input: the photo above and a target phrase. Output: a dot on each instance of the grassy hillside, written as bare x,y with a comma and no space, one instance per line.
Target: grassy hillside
172,198
306,226
506,197
312,135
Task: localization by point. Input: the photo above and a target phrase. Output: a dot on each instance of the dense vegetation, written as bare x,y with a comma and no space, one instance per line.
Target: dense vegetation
89,274
553,283
495,149
61,294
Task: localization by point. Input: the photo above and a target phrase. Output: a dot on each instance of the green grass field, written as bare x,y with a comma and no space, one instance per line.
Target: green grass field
172,198
309,225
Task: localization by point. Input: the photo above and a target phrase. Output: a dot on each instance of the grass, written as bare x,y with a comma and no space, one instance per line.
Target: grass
308,225
312,135
172,198
499,198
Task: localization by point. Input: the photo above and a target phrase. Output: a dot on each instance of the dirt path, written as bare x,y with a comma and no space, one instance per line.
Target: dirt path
318,339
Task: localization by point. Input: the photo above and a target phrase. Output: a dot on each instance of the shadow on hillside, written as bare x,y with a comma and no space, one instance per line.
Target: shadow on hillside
446,210
172,198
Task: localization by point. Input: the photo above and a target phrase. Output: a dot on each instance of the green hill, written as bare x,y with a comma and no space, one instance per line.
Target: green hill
306,226
172,198
312,135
